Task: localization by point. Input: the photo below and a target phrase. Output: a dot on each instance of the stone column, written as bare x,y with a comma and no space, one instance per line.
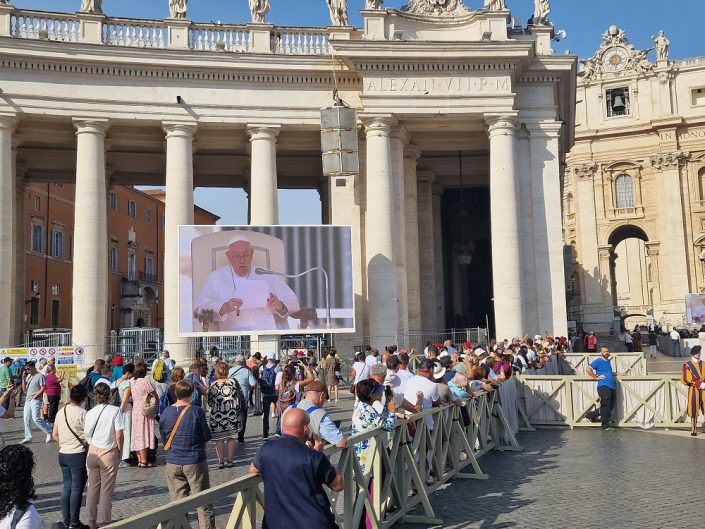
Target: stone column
383,306
426,257
439,260
7,220
264,200
18,272
89,316
652,251
548,229
506,255
670,222
525,205
178,210
400,138
411,208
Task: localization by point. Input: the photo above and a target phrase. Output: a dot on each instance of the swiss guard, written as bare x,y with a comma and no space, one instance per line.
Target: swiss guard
693,376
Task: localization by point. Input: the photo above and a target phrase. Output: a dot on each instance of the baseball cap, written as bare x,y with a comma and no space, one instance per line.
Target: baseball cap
271,356
461,368
7,359
240,358
479,351
316,385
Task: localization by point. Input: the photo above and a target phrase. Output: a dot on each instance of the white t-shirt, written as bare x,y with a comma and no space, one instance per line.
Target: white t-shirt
102,433
371,360
531,356
30,519
675,335
404,376
362,371
430,393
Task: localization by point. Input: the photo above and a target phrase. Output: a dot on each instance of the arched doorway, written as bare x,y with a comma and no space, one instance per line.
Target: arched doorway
630,270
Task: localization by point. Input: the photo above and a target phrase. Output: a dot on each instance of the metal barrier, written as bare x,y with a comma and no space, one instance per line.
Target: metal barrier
643,401
393,483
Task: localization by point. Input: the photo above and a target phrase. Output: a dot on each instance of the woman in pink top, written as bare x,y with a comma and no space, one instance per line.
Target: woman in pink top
53,385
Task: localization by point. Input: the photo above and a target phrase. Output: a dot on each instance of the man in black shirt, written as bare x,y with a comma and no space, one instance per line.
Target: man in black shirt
294,476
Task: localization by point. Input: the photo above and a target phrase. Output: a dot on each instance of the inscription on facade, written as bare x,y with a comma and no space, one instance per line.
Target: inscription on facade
438,85
697,134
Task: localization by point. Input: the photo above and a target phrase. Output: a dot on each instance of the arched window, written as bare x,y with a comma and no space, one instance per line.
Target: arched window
624,191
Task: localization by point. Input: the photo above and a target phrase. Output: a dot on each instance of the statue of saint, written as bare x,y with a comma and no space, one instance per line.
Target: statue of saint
541,11
338,12
495,5
91,6
259,10
662,45
373,4
177,8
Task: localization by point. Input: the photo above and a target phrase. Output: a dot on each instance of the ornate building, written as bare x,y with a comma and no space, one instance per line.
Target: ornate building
457,112
634,194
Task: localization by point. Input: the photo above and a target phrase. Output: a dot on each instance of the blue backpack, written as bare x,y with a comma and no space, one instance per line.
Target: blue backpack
164,402
266,382
196,395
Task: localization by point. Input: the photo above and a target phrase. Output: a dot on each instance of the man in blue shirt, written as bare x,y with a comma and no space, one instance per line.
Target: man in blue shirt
600,369
294,476
185,442
247,382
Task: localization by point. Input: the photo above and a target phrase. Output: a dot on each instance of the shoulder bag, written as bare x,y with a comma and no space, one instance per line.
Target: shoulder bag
83,442
167,445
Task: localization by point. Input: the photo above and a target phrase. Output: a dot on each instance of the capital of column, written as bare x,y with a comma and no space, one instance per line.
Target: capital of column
263,132
652,248
425,176
412,152
8,122
179,129
399,132
379,125
672,160
501,124
437,189
91,126
547,129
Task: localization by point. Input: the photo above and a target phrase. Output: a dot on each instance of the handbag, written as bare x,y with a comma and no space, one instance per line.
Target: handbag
167,445
83,442
149,406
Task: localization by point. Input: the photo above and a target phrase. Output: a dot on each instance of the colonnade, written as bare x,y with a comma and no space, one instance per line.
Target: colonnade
393,206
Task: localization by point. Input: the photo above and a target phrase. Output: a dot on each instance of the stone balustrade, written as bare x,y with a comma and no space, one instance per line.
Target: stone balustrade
160,34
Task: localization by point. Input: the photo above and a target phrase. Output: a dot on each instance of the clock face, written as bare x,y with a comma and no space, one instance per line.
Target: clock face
615,59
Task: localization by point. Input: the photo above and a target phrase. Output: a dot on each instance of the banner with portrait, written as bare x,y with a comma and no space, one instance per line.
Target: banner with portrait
695,308
236,280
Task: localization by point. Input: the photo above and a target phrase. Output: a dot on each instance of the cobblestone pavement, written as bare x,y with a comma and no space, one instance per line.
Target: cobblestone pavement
583,478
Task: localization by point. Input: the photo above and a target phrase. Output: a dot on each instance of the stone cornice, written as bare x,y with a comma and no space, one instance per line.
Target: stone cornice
587,170
673,160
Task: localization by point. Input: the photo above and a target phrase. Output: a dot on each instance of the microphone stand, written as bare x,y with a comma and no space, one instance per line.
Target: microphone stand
266,272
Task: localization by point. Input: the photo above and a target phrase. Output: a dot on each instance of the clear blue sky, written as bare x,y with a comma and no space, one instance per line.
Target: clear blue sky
584,21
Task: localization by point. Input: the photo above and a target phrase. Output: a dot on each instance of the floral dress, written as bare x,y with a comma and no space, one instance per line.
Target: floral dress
364,418
226,403
142,434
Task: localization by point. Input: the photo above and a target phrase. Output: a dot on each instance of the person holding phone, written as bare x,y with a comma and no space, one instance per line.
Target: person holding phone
7,408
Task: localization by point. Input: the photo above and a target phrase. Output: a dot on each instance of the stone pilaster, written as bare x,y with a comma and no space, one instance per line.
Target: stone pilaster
548,231
90,261
7,219
264,199
411,257
439,259
178,211
399,140
427,260
506,255
383,306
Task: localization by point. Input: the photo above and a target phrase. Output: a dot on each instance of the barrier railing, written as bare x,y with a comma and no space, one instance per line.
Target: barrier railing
134,33
393,481
642,401
301,41
61,27
206,37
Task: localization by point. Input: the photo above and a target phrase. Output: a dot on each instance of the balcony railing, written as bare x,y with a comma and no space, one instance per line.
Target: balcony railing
165,34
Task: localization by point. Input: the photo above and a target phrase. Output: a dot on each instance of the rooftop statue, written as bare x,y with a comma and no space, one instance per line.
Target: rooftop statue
338,12
259,10
662,44
437,7
177,8
541,11
90,6
495,5
373,4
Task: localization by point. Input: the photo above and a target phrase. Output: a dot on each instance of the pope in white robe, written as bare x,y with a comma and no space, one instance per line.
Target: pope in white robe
242,300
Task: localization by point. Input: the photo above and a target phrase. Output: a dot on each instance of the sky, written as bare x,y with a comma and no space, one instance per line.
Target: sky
583,20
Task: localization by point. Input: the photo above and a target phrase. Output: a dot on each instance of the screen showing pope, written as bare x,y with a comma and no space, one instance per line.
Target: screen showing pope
242,300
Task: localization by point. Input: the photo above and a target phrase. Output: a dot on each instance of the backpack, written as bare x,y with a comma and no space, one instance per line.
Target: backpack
164,402
287,397
159,370
149,406
196,395
266,382
88,383
115,397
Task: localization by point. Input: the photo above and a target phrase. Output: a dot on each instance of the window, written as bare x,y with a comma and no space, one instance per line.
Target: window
57,244
34,311
148,264
131,267
617,102
624,191
56,289
132,209
37,238
37,203
54,312
113,259
148,215
113,201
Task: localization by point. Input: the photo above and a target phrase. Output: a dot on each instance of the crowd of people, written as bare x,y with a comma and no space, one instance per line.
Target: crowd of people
120,411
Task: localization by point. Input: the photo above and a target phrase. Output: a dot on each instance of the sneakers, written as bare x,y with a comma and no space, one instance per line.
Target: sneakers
26,441
49,439
430,480
124,464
